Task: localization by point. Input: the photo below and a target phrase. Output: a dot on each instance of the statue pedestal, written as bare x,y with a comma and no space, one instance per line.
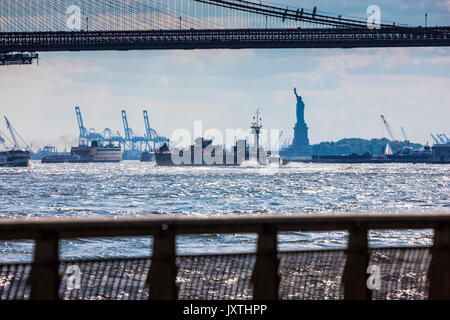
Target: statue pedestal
301,135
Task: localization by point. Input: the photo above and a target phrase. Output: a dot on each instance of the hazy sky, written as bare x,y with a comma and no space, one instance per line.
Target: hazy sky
345,90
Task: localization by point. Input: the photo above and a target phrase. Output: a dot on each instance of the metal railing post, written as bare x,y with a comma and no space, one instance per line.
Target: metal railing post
355,271
439,270
44,277
265,276
163,270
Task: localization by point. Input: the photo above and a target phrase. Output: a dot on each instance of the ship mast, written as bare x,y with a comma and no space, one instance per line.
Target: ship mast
257,125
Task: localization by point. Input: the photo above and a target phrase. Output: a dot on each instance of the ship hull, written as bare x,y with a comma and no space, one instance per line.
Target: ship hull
62,159
370,159
147,157
167,159
15,158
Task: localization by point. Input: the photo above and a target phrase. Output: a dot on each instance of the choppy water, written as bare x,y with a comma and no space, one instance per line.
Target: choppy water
141,189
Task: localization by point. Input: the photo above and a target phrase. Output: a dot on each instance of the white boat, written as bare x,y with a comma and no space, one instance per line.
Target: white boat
388,150
98,153
15,158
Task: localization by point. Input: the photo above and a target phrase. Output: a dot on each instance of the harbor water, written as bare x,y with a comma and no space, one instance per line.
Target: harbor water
134,189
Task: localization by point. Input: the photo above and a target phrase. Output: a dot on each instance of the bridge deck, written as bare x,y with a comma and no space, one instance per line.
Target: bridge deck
224,39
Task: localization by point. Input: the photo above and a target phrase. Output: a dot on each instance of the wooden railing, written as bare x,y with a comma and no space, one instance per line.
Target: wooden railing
47,233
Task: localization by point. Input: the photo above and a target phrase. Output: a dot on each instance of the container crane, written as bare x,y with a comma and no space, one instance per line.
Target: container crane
128,140
388,128
434,138
440,138
151,135
134,144
148,132
110,137
83,139
87,136
446,138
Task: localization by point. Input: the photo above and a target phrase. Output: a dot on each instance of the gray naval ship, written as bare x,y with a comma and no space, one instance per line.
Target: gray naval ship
204,153
299,150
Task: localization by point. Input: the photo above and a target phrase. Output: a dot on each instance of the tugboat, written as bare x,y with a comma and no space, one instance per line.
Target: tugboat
15,157
204,153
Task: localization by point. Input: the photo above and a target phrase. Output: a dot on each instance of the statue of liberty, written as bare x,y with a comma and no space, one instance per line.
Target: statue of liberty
299,150
300,109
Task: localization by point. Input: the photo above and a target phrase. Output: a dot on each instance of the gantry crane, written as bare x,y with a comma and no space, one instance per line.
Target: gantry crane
86,136
446,138
131,143
83,138
434,138
152,137
440,138
128,139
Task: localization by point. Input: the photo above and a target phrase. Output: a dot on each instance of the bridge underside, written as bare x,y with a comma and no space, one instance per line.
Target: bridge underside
224,39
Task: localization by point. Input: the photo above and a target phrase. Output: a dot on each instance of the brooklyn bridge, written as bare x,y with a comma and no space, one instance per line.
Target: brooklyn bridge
28,27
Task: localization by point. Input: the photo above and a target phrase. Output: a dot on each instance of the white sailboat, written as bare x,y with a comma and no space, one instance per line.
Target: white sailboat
388,150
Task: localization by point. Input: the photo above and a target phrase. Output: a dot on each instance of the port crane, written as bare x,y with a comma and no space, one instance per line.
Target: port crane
434,138
128,133
440,138
132,144
148,133
83,138
146,143
151,135
391,134
86,136
446,138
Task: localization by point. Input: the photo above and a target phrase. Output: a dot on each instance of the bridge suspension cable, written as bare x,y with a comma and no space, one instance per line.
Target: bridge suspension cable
146,15
27,27
287,13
